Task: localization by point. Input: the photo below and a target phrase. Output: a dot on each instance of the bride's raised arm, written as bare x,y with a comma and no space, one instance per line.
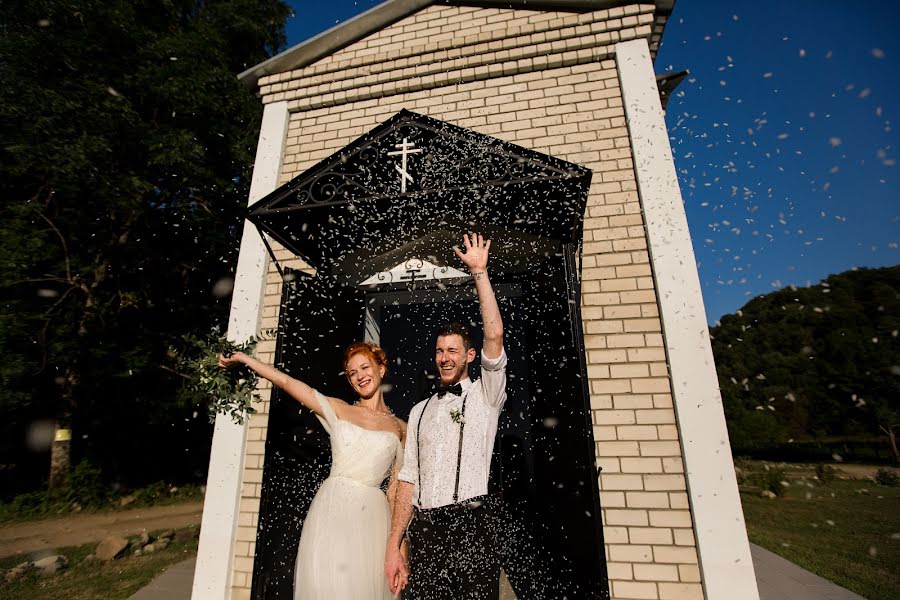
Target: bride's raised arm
295,388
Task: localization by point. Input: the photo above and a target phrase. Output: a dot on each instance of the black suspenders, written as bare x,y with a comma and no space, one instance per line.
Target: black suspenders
462,426
419,453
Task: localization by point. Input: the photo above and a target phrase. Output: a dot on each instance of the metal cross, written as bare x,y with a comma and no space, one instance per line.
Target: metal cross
412,275
404,150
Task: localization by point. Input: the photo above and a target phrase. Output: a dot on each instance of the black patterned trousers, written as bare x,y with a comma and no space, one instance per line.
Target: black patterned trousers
453,553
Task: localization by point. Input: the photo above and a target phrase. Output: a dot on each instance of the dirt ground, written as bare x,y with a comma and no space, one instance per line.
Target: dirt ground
844,470
74,530
861,471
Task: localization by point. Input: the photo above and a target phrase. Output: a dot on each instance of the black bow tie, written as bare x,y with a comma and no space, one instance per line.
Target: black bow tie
443,390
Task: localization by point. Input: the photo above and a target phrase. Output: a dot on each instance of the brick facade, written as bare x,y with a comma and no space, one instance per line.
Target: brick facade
546,81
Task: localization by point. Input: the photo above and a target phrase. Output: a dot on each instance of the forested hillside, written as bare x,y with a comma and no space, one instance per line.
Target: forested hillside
815,368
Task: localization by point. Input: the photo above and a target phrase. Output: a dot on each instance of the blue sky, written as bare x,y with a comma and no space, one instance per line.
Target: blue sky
783,135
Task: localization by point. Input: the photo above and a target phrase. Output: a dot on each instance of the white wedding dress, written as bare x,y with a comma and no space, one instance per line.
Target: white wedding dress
341,554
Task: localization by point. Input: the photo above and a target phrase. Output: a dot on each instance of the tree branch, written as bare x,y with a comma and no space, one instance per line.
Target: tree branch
47,279
171,370
62,240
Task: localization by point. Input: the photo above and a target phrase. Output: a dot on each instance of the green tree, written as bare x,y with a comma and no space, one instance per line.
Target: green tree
126,143
806,363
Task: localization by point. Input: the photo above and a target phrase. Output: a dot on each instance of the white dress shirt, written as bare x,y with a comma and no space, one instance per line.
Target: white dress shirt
439,438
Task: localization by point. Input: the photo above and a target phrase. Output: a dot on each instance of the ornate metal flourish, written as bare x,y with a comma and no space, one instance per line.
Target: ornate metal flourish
413,270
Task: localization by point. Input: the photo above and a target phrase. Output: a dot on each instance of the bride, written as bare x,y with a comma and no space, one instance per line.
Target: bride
346,529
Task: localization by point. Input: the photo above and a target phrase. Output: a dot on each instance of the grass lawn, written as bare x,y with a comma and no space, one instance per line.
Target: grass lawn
93,580
847,531
42,505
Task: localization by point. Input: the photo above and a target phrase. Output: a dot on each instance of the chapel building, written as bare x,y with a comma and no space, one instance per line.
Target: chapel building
541,124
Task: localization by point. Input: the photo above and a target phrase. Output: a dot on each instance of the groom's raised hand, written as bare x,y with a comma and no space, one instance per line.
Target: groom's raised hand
476,260
476,256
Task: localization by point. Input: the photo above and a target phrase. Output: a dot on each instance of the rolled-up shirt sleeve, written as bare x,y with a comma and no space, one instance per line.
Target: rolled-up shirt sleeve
409,472
493,379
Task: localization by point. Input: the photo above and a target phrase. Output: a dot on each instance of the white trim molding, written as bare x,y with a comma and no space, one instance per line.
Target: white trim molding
212,576
722,546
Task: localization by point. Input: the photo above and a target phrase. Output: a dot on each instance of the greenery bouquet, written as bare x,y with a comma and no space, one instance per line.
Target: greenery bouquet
228,392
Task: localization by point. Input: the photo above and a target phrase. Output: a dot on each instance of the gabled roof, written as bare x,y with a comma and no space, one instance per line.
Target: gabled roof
389,12
367,201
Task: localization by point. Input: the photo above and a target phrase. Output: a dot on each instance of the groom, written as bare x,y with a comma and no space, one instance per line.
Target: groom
442,494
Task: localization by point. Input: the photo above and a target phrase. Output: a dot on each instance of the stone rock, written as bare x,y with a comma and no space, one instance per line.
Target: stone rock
51,564
18,571
138,540
144,539
768,494
168,534
111,548
148,549
126,500
173,490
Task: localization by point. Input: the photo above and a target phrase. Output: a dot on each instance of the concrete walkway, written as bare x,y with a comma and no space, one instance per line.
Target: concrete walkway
174,584
778,579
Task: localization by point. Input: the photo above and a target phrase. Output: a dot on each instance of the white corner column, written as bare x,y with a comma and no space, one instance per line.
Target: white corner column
212,576
721,534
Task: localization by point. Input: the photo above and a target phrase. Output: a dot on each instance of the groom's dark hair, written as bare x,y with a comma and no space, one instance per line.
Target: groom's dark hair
456,329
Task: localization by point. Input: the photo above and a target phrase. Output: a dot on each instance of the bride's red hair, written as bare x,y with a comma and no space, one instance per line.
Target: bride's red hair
373,353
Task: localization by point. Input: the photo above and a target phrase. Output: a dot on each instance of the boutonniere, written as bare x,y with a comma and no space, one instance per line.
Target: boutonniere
456,416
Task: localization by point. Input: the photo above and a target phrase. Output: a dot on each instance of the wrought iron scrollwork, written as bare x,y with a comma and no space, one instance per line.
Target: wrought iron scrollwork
451,159
413,270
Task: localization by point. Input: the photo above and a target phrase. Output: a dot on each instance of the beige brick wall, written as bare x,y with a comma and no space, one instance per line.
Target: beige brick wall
545,81
444,45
